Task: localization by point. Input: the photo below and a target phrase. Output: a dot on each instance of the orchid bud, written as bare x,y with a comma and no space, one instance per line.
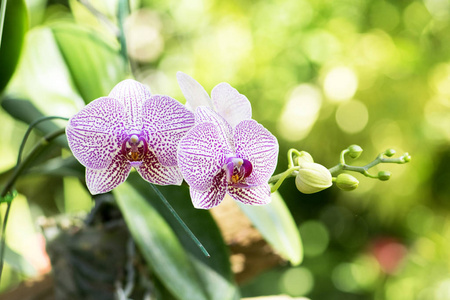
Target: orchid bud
389,152
346,182
312,178
384,175
304,157
354,151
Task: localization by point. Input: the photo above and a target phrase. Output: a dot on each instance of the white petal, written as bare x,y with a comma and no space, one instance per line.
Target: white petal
212,196
207,115
154,172
102,181
132,95
259,195
94,133
230,104
201,155
194,93
166,121
256,144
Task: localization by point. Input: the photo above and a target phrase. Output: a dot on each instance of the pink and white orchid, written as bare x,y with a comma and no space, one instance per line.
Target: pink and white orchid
226,152
129,128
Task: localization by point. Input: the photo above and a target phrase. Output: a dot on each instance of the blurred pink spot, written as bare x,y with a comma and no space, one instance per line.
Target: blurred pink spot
389,253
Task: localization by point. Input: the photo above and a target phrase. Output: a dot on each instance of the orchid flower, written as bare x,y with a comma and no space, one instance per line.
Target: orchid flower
217,159
225,100
129,129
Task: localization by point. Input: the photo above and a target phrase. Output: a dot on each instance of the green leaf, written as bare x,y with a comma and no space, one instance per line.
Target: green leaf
94,62
215,272
159,245
277,226
64,66
15,27
60,167
43,77
27,112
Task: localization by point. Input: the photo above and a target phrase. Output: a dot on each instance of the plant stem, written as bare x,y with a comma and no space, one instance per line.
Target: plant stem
30,128
279,178
177,217
2,245
17,172
342,166
38,148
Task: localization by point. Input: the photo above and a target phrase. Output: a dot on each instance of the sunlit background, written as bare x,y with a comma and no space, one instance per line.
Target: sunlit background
321,75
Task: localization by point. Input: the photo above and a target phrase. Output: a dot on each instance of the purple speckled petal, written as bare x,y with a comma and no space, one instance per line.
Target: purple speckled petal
154,172
213,195
259,195
166,121
102,181
94,132
230,104
256,144
201,154
132,95
206,115
194,93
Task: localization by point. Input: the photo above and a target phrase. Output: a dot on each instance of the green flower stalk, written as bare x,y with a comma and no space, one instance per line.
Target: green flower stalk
311,177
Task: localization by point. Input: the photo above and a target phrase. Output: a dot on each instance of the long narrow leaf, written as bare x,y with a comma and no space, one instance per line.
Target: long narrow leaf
277,226
159,245
215,272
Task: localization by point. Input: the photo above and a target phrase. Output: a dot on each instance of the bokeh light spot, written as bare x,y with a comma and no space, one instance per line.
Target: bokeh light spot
352,116
438,8
320,45
315,238
357,276
297,281
300,112
340,84
416,17
144,40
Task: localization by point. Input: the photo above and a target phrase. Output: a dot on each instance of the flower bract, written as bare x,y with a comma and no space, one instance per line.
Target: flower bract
216,159
129,129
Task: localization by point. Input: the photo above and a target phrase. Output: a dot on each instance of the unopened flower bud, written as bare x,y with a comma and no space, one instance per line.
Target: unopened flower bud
389,152
384,175
346,182
312,178
354,151
304,157
406,157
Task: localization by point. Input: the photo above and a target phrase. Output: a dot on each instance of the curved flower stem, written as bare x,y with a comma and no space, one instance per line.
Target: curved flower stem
290,159
43,143
30,128
342,166
279,178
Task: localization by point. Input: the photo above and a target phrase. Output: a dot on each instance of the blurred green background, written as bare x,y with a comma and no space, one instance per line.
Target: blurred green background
321,75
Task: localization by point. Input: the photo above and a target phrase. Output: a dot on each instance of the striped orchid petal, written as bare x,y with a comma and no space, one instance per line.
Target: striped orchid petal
94,134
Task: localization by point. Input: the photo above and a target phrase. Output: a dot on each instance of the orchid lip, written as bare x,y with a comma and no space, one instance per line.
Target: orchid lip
134,148
236,170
